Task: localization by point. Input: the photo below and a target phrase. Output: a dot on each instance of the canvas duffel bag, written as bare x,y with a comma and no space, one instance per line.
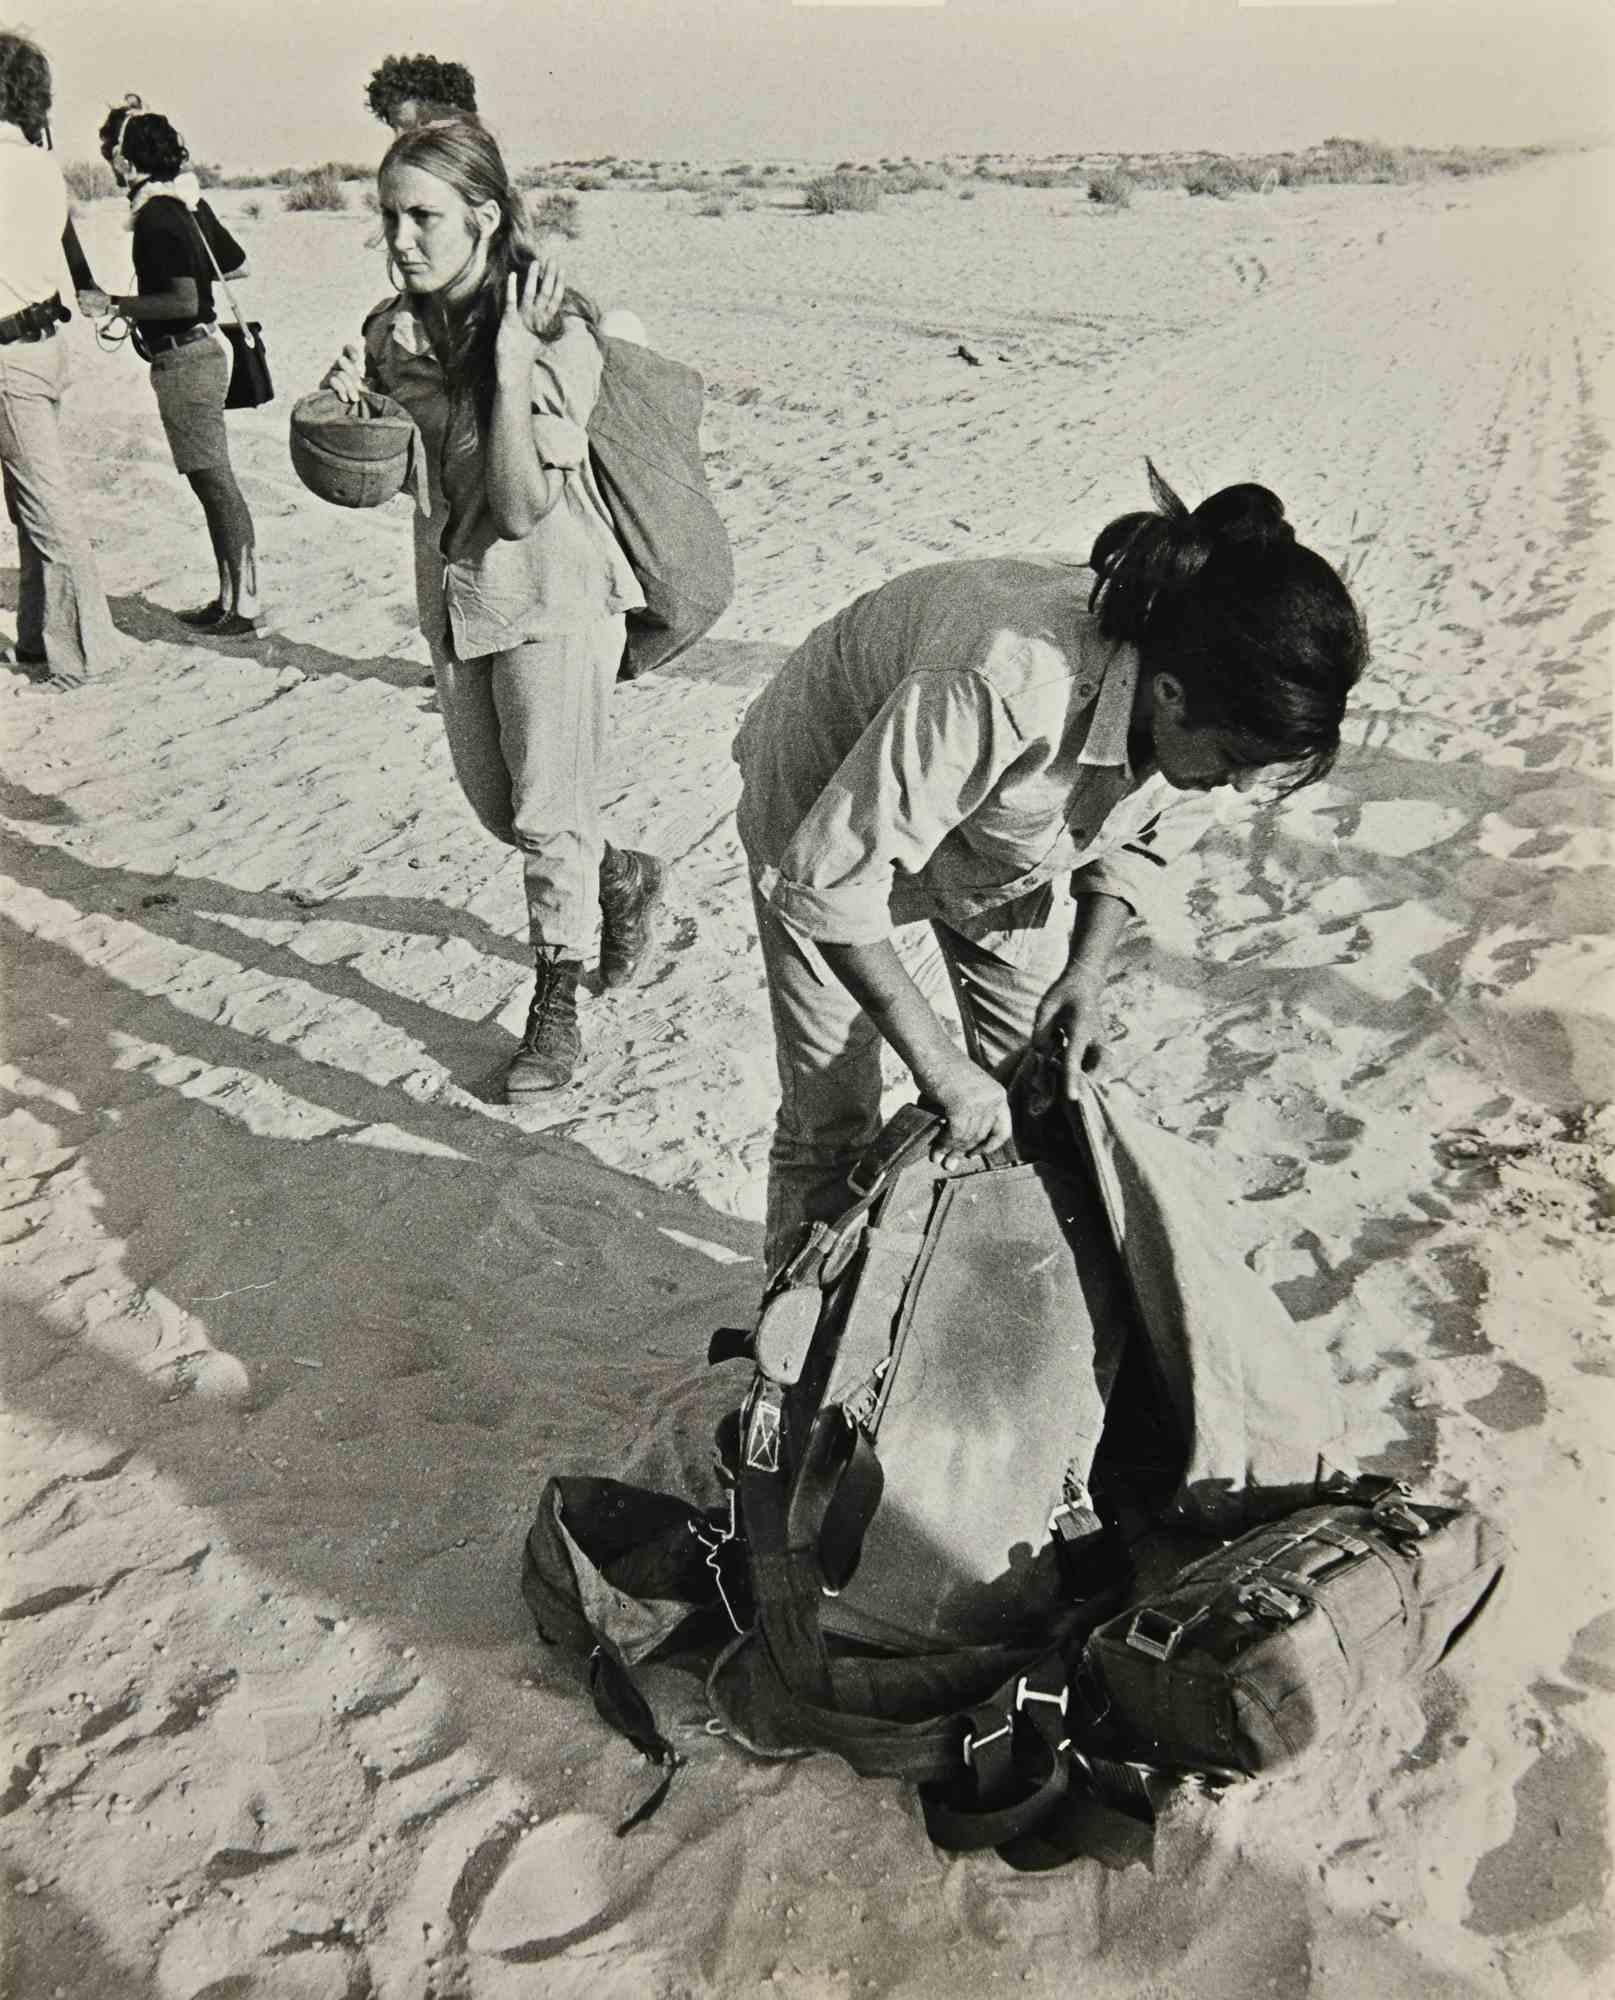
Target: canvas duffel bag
645,445
1271,1645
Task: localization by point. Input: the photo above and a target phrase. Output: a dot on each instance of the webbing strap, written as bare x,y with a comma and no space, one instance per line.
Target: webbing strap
785,1586
966,1827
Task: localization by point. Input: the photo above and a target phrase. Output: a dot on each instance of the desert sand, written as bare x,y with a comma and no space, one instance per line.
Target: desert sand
299,1319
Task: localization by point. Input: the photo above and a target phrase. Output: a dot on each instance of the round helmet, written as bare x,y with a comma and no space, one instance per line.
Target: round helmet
353,454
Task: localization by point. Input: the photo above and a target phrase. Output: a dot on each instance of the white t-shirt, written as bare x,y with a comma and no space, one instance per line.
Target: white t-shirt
33,214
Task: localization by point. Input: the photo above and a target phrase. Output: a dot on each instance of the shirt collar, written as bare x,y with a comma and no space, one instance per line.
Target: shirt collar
1112,716
406,332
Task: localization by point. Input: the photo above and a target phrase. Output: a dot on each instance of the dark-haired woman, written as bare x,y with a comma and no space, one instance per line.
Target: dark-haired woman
522,586
1012,751
172,313
111,132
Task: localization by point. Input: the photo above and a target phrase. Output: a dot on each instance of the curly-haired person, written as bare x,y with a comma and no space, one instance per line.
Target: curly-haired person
413,90
64,630
178,243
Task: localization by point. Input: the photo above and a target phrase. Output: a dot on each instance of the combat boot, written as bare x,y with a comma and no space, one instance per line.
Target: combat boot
631,886
551,1041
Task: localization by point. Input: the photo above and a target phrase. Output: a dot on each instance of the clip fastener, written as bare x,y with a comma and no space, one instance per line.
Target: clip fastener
1024,1694
973,1743
1403,1521
1266,1600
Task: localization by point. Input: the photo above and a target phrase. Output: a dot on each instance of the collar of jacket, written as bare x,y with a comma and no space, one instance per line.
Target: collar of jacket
183,187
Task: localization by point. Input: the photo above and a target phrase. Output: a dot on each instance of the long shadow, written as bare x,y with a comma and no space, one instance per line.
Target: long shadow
740,663
328,1374
140,619
186,909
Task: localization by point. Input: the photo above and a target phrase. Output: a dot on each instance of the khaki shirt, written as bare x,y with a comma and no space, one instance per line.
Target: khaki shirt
493,595
947,744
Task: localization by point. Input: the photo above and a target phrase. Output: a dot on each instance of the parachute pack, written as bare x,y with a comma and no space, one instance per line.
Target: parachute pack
1022,1499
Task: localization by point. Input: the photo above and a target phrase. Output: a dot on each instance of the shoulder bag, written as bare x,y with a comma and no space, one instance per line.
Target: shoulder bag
250,383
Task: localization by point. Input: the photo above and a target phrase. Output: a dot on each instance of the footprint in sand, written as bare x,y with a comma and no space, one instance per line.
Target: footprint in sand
560,1879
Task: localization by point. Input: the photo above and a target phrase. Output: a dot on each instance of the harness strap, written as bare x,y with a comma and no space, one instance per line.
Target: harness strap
838,1488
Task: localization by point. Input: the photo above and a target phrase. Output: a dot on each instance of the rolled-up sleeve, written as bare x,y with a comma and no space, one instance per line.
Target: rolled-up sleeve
926,762
1135,872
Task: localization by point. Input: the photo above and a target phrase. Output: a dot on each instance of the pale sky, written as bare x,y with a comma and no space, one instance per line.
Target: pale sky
281,82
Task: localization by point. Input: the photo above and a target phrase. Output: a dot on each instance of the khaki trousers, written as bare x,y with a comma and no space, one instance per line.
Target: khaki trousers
61,608
526,732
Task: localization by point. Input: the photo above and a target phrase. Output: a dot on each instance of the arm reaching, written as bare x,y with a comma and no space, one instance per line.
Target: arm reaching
972,1101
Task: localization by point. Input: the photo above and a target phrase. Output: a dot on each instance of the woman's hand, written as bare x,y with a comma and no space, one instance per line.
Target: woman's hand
346,374
1069,1027
531,303
976,1107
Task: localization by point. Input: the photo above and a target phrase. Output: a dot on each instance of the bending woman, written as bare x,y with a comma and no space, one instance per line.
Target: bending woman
522,587
1012,751
171,312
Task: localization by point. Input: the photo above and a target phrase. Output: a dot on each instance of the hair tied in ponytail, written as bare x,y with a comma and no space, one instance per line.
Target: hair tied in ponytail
1243,516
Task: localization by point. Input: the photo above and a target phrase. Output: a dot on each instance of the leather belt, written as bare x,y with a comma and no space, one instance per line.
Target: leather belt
160,343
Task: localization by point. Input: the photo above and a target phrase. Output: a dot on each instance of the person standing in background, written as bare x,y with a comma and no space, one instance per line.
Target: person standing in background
522,585
178,242
65,634
405,91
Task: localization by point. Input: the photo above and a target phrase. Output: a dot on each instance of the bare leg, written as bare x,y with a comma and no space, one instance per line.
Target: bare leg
230,529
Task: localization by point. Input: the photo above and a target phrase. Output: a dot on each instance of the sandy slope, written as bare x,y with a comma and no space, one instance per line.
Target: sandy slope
298,1319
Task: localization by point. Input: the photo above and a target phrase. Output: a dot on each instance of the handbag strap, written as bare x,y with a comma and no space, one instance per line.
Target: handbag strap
207,252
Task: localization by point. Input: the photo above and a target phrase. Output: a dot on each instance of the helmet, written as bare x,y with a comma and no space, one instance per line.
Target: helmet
356,455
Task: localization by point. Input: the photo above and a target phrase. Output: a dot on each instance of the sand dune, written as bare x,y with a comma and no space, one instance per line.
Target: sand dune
298,1319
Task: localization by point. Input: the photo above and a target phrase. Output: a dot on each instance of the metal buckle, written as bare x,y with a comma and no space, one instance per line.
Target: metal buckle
1283,1607
1156,1632
972,1742
1024,1694
1401,1519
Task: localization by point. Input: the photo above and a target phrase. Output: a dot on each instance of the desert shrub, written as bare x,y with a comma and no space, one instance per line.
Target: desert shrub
372,201
252,210
913,180
587,183
714,205
1042,177
833,194
967,194
1360,160
1213,177
1111,187
89,180
556,214
320,190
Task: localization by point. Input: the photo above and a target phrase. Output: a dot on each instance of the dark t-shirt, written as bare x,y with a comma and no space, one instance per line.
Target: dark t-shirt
166,247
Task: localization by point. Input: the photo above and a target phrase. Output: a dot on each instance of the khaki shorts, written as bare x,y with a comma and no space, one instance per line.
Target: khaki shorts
190,383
